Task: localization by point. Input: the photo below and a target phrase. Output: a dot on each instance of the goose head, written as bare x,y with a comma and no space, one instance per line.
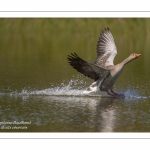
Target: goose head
131,57
134,56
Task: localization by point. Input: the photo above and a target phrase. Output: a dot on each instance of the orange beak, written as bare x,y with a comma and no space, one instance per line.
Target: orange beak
138,55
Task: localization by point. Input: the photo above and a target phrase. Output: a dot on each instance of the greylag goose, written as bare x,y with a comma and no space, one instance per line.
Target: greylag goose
102,70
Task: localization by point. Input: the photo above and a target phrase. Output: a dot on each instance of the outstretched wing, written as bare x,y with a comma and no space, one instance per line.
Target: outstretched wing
88,69
106,50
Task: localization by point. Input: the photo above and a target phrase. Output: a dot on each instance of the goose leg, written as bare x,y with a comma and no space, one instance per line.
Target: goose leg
118,95
112,94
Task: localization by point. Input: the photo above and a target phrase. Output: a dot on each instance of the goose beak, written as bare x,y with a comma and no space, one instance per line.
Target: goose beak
138,55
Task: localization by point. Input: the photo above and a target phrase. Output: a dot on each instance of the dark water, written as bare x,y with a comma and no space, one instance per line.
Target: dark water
40,92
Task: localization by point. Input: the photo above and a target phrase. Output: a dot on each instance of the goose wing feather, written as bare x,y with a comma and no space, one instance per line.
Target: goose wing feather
106,50
90,70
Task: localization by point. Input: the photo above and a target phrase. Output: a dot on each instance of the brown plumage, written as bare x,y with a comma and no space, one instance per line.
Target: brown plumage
90,70
102,70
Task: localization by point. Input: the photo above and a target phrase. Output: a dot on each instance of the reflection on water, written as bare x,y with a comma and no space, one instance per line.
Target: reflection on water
73,113
108,118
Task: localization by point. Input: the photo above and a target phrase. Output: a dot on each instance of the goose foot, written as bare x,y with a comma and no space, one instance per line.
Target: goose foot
120,96
114,94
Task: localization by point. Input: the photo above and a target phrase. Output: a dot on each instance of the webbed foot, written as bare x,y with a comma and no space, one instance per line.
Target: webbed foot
114,94
120,96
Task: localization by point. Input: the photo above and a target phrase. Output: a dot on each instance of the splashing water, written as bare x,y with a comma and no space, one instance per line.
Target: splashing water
73,88
132,94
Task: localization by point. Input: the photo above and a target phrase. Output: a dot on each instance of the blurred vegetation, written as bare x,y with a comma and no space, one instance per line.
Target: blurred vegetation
37,47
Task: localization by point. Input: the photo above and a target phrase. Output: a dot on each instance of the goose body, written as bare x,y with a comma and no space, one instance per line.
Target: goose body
102,70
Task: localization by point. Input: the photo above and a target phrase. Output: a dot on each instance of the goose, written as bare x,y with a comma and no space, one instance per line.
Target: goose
102,70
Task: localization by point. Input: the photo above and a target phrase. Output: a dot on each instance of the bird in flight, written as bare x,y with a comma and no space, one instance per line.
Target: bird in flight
102,70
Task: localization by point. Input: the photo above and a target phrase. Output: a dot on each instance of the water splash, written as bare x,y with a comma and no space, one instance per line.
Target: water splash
74,87
133,94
